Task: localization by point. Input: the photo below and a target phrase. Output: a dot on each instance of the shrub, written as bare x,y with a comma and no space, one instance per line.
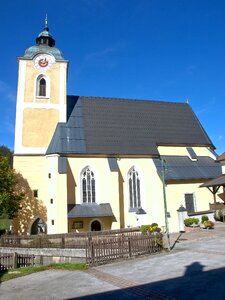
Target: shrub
219,214
191,221
3,229
204,218
40,241
208,224
144,229
150,228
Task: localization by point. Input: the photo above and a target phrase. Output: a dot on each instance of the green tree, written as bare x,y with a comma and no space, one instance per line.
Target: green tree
5,151
9,198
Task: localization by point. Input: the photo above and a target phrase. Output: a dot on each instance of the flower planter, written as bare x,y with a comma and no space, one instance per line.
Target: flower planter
192,228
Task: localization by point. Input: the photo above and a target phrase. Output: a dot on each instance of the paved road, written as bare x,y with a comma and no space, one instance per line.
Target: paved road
194,269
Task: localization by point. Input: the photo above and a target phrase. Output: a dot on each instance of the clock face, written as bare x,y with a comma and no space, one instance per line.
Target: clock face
43,62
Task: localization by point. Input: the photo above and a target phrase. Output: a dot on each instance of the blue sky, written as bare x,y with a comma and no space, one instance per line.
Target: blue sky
141,49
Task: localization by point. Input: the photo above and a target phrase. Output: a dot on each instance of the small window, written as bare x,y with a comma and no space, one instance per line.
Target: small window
53,222
51,201
35,193
49,175
41,86
189,203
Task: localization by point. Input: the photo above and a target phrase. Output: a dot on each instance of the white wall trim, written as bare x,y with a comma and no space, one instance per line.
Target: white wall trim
96,184
62,117
20,105
48,87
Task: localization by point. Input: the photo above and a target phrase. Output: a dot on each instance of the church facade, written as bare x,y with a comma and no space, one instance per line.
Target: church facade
92,163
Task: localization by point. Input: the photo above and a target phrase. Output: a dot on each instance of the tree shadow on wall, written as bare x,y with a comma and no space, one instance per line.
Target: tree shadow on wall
31,208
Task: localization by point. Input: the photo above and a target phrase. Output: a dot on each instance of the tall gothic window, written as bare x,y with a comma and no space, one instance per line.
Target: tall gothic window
134,189
88,186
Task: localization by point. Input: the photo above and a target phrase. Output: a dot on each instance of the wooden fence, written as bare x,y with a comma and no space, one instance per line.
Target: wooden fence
100,247
70,240
108,249
14,260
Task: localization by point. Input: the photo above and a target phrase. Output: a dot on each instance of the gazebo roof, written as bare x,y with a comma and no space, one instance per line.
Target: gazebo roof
219,181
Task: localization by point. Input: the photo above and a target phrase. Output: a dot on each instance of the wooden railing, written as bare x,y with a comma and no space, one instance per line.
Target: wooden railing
14,260
107,249
100,247
70,240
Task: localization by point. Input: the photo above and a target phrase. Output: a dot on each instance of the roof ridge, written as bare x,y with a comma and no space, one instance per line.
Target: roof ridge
128,99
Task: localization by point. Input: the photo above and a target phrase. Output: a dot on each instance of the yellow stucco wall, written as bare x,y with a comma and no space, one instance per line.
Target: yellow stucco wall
107,187
105,222
32,176
175,198
111,187
106,182
31,75
182,151
38,126
34,113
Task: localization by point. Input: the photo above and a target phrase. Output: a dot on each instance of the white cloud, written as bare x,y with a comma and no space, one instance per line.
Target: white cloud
220,138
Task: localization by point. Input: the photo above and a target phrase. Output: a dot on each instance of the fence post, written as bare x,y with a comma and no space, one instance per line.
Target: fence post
15,260
41,260
63,242
129,247
92,252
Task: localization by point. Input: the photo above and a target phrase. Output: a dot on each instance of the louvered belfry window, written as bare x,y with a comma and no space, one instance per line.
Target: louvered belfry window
134,189
88,186
42,87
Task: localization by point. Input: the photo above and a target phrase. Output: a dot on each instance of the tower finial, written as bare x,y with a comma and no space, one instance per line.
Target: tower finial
45,37
46,23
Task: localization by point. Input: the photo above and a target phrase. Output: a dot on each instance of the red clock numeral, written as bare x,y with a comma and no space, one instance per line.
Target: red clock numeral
43,62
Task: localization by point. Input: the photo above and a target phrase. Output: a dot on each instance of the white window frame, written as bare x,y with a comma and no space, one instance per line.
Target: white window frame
136,192
37,84
88,168
194,201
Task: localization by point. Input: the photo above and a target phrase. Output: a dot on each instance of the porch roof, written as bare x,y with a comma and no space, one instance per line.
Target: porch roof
90,210
183,168
219,181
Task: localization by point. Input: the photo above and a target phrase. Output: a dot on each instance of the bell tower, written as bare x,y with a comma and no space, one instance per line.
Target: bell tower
41,95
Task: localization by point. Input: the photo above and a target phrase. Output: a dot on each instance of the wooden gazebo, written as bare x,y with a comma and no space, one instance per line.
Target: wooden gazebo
214,185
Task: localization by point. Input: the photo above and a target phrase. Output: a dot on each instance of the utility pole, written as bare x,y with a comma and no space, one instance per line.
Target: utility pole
165,202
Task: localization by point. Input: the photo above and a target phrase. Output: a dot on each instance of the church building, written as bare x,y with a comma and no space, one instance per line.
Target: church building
94,163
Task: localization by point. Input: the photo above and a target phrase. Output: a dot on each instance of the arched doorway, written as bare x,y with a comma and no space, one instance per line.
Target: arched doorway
38,226
96,226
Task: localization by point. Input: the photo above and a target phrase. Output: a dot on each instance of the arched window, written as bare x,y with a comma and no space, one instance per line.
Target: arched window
41,86
88,186
134,189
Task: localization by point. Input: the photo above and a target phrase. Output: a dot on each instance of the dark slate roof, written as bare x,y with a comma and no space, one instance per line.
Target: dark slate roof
183,168
221,157
113,165
219,181
90,210
126,127
38,49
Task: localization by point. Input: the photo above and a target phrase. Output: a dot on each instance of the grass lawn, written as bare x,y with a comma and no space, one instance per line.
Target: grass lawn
14,273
